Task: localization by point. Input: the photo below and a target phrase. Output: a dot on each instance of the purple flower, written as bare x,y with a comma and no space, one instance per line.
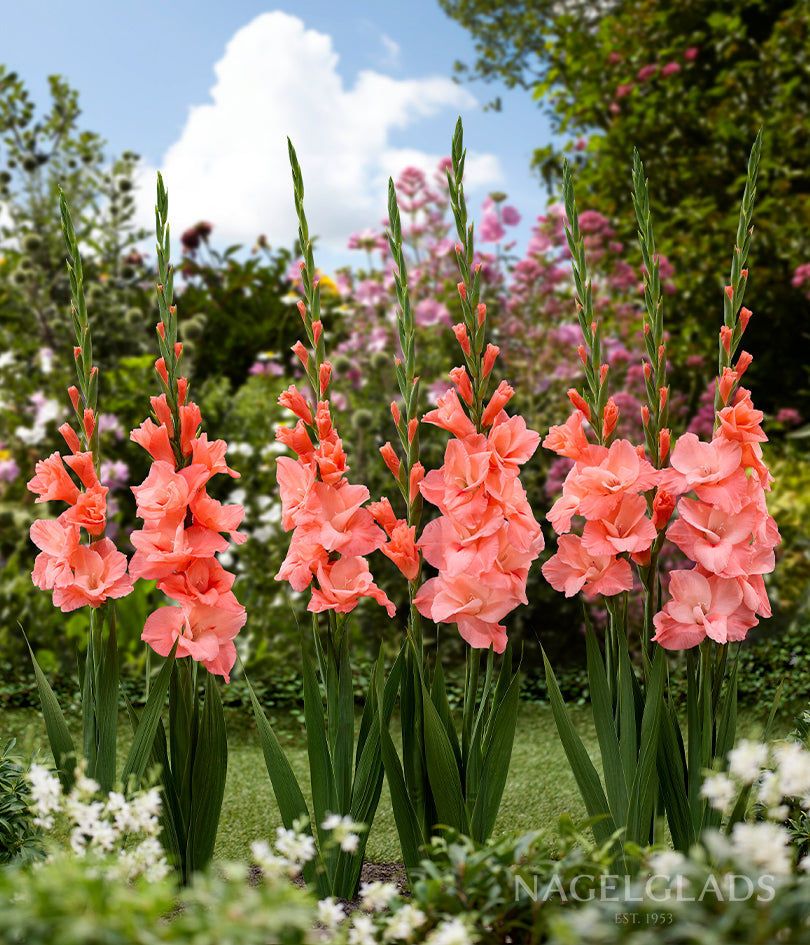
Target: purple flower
789,416
9,470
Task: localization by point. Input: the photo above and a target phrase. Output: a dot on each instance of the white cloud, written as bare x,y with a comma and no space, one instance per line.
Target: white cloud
392,51
277,78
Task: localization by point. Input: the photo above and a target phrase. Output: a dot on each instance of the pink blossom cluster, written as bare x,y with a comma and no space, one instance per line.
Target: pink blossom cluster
486,537
182,533
332,531
626,503
78,574
606,487
726,530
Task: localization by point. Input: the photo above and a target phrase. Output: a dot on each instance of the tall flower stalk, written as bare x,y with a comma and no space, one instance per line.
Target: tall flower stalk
481,545
90,574
627,501
333,532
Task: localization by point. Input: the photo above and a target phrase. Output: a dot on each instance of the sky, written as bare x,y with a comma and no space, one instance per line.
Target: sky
208,92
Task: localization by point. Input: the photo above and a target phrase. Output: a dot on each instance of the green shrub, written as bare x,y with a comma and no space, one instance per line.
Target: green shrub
19,838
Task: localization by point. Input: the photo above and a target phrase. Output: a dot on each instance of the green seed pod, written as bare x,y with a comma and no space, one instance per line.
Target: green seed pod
380,361
341,364
31,242
362,419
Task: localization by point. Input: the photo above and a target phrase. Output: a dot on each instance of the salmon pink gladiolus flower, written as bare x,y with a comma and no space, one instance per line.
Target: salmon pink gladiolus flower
99,573
702,607
341,585
52,482
575,569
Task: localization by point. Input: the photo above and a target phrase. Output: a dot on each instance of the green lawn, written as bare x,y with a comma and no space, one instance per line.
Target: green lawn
539,789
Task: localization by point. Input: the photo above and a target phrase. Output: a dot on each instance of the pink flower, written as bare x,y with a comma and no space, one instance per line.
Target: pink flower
702,606
52,481
712,469
450,415
334,518
89,511
622,470
162,550
464,596
574,569
99,572
155,440
295,479
204,581
165,494
341,585
211,455
624,528
57,541
719,541
204,633
569,439
670,69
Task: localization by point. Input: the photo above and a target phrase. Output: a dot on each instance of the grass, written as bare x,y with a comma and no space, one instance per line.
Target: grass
540,786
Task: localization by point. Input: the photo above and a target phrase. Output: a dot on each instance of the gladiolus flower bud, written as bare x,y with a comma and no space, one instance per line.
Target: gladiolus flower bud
744,273
729,291
461,379
647,328
647,370
302,266
391,459
725,339
317,330
603,373
645,415
583,354
395,412
182,390
663,507
663,444
640,451
482,314
73,393
77,352
302,310
460,331
294,401
611,415
577,400
743,363
462,290
726,382
663,395
593,328
412,425
324,376
490,355
89,423
160,367
417,475
178,349
497,402
299,349
161,330
745,317
661,350
70,437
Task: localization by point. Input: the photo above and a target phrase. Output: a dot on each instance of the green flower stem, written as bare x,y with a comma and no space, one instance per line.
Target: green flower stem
653,317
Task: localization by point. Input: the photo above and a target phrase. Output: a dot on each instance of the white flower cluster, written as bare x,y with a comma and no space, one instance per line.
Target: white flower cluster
344,832
103,825
777,772
294,848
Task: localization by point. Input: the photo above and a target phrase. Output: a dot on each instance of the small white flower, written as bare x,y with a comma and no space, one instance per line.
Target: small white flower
746,761
451,932
404,923
273,867
376,896
46,792
344,831
720,791
793,769
763,846
296,847
669,863
330,913
362,931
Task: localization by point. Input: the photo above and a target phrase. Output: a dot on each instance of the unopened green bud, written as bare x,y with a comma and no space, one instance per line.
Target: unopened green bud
380,361
362,419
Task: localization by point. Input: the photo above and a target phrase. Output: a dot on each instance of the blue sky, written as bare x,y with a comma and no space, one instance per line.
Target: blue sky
207,92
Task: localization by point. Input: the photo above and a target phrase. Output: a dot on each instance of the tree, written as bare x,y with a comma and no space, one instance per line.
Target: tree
688,82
